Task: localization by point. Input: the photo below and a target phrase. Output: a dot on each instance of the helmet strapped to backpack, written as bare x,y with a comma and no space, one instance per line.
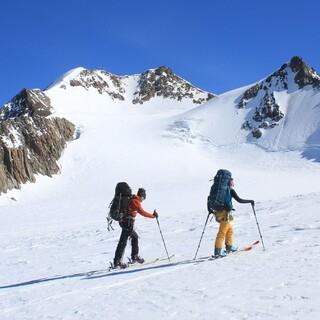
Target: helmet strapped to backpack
119,204
220,196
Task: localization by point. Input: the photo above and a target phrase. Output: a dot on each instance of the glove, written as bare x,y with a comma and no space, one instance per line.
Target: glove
252,202
155,213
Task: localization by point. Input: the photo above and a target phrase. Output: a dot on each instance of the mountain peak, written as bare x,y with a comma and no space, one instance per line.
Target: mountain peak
262,97
163,82
296,63
27,102
295,72
163,69
139,88
304,74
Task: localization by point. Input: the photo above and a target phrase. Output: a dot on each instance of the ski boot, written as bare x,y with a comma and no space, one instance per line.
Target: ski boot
117,264
219,253
137,259
230,249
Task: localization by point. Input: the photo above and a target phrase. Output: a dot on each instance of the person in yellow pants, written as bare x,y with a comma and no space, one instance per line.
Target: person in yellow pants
225,233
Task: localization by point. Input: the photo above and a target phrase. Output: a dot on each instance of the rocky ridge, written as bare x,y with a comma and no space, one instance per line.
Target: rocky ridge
159,82
102,81
31,139
162,82
261,97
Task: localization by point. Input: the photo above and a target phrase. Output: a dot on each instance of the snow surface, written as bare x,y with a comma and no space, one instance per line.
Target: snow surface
53,233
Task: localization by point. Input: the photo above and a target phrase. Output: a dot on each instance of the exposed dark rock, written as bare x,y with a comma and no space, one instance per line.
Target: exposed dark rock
268,109
261,96
251,92
264,125
102,81
31,142
248,94
163,82
296,63
160,82
246,125
29,102
256,133
305,75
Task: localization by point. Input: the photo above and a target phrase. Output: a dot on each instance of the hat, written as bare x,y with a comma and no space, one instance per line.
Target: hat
141,193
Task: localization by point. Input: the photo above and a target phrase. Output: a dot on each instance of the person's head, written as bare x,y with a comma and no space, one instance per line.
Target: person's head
142,194
231,183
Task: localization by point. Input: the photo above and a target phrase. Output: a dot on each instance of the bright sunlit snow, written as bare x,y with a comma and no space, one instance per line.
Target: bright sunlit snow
53,232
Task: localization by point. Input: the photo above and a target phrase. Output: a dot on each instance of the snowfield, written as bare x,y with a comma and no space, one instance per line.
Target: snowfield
56,248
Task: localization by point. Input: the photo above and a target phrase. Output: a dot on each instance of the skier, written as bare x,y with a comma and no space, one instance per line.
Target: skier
127,225
224,217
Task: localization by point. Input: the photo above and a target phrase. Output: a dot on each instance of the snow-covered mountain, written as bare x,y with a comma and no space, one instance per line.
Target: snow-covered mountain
32,139
53,239
278,113
137,89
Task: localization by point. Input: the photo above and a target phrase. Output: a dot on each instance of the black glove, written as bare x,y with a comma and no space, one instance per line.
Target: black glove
155,213
252,202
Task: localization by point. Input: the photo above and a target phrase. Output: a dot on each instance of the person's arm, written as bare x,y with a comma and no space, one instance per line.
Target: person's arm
238,199
139,209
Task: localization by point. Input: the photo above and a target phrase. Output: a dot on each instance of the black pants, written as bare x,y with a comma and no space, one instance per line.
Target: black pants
127,231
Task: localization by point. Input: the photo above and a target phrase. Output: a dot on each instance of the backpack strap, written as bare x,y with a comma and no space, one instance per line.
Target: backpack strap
109,219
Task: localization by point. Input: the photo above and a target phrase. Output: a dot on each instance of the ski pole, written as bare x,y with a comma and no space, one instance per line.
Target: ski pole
163,239
254,211
195,256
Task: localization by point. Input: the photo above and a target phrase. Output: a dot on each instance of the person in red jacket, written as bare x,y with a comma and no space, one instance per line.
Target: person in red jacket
127,225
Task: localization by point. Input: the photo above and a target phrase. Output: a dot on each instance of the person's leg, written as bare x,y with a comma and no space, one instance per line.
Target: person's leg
221,235
121,245
229,241
229,236
135,248
134,244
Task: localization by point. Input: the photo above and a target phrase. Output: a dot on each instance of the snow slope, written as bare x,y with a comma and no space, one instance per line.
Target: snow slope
222,122
54,232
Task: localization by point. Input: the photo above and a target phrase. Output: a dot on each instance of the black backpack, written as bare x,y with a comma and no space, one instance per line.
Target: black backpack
220,197
120,203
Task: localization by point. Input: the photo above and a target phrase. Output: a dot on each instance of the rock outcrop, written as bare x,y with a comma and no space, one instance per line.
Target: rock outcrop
162,82
261,97
305,75
31,139
102,81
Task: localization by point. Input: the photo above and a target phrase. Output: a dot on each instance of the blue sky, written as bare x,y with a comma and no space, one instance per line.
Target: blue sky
216,45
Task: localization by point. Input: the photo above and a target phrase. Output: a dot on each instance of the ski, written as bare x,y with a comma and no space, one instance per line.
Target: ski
136,265
250,246
129,266
245,248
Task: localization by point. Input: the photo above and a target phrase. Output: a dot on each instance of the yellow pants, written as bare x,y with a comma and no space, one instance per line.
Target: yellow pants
225,230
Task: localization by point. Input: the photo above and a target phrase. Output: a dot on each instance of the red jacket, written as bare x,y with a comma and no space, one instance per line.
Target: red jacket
135,207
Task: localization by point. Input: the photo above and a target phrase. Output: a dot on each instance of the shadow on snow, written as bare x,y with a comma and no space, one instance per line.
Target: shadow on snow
96,274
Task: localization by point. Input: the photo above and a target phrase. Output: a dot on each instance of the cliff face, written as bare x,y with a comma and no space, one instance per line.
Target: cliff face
31,139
